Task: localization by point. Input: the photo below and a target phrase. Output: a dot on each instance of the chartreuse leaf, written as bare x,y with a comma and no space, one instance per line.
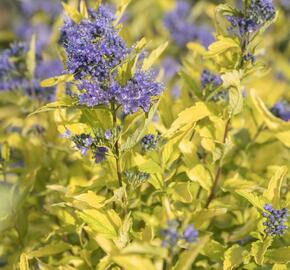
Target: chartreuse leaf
9,200
187,257
5,151
181,192
187,118
104,263
233,184
232,82
284,137
106,245
49,250
72,13
253,199
144,249
30,61
269,119
99,222
147,165
56,80
62,104
214,250
132,140
154,55
233,257
273,191
91,199
83,9
280,267
133,262
204,216
222,45
259,249
23,263
196,48
278,255
200,174
122,5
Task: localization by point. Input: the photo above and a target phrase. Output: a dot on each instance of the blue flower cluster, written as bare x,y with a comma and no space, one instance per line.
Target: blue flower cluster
13,66
149,142
275,223
171,234
183,30
94,50
26,30
170,67
29,7
85,142
282,110
255,16
208,78
93,46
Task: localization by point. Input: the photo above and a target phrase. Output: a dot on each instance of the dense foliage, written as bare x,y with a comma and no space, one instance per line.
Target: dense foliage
144,134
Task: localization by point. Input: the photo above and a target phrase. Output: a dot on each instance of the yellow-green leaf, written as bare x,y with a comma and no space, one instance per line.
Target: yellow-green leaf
99,222
270,120
187,257
122,5
56,80
273,191
278,255
49,250
72,13
5,151
24,264
201,175
31,58
259,249
53,106
188,117
205,215
133,262
233,257
93,200
222,45
154,55
252,198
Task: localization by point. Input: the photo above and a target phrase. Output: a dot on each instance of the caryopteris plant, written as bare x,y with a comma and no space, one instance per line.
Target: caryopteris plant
180,167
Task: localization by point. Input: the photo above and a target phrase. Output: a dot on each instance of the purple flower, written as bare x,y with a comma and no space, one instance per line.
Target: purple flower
67,134
282,110
149,142
258,13
138,92
51,7
42,32
275,219
93,46
190,234
207,79
13,70
100,154
170,234
183,30
108,134
171,67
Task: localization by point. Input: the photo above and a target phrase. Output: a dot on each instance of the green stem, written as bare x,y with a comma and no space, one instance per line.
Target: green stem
116,148
258,132
168,261
219,169
118,158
